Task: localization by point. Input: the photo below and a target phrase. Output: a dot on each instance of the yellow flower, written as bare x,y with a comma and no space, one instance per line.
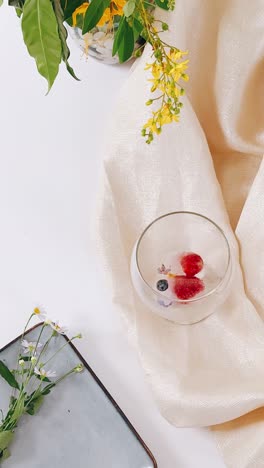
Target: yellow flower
106,18
151,125
115,9
81,10
177,55
166,70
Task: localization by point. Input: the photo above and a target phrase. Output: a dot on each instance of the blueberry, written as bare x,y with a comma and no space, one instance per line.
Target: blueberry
162,285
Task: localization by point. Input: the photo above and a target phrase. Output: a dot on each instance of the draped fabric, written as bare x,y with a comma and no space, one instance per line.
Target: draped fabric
210,373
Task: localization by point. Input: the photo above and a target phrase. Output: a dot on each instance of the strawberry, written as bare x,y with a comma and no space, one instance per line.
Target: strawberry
186,288
191,263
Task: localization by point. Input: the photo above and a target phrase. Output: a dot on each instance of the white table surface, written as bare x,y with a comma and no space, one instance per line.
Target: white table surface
49,169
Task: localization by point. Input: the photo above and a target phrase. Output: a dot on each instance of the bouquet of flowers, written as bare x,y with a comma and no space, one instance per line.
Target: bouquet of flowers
45,35
32,379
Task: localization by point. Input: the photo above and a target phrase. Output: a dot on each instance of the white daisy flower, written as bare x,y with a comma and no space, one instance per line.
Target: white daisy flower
44,374
30,346
40,313
58,328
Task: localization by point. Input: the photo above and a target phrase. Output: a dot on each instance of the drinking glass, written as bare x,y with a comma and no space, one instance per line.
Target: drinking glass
181,267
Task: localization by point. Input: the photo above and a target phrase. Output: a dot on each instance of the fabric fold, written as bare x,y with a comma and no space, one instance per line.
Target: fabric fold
211,372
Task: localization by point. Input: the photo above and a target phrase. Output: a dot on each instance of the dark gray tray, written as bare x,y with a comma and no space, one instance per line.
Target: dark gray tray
79,424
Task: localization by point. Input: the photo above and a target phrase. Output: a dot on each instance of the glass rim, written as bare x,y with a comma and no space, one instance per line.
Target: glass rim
209,293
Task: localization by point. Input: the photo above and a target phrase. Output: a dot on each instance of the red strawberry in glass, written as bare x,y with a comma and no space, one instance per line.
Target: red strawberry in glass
187,288
191,263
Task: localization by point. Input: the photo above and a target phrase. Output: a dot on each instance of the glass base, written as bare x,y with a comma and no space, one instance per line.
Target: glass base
98,43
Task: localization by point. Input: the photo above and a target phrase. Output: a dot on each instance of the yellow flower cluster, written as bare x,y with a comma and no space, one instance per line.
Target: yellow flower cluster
167,69
115,9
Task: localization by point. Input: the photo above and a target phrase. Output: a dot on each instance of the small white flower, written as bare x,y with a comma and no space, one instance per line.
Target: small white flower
30,346
56,326
79,368
44,374
40,313
33,359
163,270
21,362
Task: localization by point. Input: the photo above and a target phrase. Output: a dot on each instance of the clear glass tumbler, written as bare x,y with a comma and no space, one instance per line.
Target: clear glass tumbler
181,267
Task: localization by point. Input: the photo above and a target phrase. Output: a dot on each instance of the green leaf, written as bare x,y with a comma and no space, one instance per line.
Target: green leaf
40,31
43,379
48,388
162,4
94,13
71,71
12,400
126,47
137,29
4,454
34,405
19,408
5,439
1,2
8,376
63,37
129,8
16,3
118,36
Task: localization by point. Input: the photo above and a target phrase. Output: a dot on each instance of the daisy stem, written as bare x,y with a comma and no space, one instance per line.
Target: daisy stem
45,347
22,337
33,395
60,349
30,369
64,376
41,353
10,423
23,334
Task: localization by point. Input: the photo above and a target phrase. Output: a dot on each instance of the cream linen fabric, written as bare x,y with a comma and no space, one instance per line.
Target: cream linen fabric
210,373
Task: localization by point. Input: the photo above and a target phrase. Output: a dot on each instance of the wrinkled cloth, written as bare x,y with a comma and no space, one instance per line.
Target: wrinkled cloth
210,373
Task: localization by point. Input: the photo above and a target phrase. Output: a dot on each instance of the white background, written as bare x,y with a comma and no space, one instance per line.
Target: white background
49,168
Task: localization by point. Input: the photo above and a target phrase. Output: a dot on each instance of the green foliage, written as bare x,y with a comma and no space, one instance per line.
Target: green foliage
5,439
19,408
34,405
94,13
129,8
69,6
63,37
30,392
4,454
126,46
137,28
16,3
164,4
48,388
40,32
118,36
124,41
8,376
43,379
